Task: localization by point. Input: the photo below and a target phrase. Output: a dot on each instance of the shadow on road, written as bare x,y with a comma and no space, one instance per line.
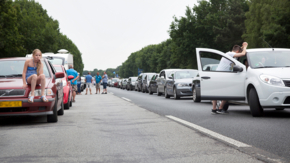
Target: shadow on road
22,121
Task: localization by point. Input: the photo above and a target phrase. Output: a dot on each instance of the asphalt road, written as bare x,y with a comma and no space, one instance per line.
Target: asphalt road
105,128
269,133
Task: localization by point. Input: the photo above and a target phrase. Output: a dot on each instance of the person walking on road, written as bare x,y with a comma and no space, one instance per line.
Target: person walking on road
98,83
88,81
226,65
105,82
74,82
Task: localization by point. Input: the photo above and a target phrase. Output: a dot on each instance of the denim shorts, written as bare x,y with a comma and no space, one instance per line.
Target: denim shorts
104,85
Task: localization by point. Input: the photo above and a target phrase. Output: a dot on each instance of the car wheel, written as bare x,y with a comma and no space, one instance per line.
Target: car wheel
158,93
150,91
255,107
138,89
279,108
176,96
67,105
165,93
195,97
53,117
61,111
143,91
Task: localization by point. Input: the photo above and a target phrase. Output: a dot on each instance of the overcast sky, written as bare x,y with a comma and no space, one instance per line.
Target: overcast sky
108,31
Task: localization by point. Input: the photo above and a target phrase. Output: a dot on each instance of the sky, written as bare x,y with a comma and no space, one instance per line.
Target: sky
107,31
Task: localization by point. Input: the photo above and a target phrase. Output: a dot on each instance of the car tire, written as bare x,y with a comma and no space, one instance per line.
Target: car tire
53,117
138,89
195,96
166,94
143,91
67,105
150,91
61,111
176,96
158,93
254,103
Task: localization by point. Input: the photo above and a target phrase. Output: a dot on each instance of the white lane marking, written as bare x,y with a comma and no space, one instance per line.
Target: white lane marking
209,132
126,99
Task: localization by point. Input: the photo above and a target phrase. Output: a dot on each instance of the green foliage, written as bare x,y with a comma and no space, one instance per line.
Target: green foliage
25,26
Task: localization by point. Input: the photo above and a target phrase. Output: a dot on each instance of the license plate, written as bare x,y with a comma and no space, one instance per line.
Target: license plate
10,104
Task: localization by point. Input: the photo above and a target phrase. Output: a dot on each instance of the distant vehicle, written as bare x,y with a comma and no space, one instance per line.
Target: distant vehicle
119,83
83,84
180,83
124,83
163,79
131,83
67,87
14,99
264,84
63,57
109,83
114,82
145,82
152,87
140,81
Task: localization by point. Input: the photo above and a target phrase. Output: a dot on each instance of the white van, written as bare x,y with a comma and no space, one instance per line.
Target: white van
63,57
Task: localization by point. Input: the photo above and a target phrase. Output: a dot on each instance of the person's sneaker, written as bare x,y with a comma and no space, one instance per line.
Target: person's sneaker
103,93
214,112
222,111
106,93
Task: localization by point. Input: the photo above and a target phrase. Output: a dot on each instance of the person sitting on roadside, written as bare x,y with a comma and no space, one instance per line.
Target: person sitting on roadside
225,65
88,81
33,74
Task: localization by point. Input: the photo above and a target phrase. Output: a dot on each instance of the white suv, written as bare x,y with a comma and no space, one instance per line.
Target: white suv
264,84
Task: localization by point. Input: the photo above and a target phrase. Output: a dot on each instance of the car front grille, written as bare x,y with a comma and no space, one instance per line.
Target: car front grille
12,92
287,83
287,100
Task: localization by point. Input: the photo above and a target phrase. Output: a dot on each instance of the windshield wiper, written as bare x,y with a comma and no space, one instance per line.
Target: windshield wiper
267,66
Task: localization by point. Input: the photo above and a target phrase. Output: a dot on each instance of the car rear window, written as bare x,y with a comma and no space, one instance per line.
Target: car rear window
58,69
15,67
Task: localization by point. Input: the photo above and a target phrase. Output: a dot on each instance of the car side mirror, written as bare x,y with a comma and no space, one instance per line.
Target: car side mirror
59,75
70,77
237,68
170,77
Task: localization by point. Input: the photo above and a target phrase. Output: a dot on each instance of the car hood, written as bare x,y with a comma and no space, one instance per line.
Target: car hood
189,80
282,72
16,83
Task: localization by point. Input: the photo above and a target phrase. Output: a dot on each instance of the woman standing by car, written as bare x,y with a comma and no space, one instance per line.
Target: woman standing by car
33,74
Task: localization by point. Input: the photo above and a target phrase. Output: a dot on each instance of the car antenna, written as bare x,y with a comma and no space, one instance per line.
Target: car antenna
267,43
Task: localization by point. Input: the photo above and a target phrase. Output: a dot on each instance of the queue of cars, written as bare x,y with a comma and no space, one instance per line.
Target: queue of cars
261,79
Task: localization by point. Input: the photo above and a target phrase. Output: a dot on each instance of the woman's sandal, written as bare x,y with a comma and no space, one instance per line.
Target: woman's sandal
44,99
31,99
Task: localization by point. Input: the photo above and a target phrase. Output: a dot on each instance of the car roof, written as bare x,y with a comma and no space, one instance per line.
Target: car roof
186,70
267,49
171,69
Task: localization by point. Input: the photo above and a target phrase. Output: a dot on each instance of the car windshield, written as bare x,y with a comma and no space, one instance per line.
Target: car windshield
269,59
185,74
133,79
56,61
149,76
14,68
58,69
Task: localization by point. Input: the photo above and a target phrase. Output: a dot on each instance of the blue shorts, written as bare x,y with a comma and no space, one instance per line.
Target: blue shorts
104,85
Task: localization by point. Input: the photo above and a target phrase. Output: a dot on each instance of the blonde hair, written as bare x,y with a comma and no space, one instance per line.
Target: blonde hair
38,63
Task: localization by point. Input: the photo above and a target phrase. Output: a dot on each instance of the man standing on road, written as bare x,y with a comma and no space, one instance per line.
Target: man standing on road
88,81
74,73
225,65
98,83
105,81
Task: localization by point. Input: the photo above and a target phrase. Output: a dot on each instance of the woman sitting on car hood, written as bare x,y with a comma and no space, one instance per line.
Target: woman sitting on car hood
33,74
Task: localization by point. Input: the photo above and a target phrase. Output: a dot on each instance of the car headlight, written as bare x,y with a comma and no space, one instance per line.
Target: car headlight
47,92
272,80
64,83
182,85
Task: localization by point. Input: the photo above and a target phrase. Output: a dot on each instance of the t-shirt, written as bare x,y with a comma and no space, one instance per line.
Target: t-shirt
98,78
73,73
105,79
225,64
89,79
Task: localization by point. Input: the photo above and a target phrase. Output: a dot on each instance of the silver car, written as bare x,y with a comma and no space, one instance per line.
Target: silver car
180,83
163,79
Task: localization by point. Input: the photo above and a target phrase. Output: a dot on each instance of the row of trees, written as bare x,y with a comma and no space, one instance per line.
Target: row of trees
25,26
216,24
109,71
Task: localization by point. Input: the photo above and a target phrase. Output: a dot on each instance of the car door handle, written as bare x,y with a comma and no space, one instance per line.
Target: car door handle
205,77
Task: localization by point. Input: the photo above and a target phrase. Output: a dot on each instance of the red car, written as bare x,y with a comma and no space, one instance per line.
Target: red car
14,99
67,88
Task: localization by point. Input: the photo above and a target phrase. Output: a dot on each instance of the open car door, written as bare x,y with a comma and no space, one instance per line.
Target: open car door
216,84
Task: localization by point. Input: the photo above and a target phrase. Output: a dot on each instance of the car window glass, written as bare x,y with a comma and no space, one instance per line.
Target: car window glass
215,62
185,74
267,59
58,69
52,68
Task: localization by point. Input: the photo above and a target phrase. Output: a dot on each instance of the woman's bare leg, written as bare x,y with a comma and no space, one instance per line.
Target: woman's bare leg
41,81
32,81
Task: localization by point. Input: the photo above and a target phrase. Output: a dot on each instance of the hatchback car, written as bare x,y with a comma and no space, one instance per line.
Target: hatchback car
181,83
163,79
124,83
131,83
145,82
14,99
264,84
152,87
67,87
